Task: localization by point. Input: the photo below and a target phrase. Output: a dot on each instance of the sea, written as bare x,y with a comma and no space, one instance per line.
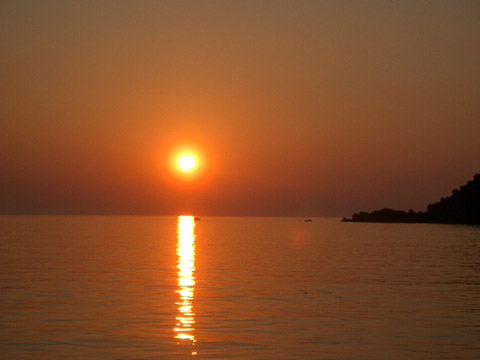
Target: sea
88,287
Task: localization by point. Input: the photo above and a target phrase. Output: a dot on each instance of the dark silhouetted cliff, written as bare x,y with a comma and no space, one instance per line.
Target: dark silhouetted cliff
462,207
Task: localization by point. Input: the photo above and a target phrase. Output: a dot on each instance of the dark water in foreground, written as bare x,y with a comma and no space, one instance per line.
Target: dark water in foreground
237,288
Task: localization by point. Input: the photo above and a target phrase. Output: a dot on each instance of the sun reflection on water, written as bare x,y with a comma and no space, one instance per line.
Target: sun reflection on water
184,328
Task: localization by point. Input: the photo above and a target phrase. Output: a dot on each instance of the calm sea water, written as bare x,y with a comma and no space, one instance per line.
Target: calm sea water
237,288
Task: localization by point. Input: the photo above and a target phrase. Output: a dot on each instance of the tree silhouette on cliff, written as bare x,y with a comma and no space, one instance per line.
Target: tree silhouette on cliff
462,207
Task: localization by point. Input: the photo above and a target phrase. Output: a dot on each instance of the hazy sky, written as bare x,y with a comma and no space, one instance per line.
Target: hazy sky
308,108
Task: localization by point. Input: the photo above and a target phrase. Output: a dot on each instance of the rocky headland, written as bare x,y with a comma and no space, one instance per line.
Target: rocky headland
462,207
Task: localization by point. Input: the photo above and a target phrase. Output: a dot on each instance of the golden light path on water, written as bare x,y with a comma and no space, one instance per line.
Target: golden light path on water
184,328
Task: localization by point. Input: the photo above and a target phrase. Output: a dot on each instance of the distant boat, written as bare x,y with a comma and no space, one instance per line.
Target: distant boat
308,220
196,218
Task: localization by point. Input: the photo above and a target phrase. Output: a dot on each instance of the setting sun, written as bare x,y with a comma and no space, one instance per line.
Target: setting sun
186,162
189,166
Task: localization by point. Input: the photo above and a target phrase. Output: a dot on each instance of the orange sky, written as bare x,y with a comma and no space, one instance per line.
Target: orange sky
308,108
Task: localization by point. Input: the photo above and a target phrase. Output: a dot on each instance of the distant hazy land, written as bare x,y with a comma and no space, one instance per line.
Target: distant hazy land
462,207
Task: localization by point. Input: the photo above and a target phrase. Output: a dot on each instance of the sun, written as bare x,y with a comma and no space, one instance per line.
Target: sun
188,165
186,162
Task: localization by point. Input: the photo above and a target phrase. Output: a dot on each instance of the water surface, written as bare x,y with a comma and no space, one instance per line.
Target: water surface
236,288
